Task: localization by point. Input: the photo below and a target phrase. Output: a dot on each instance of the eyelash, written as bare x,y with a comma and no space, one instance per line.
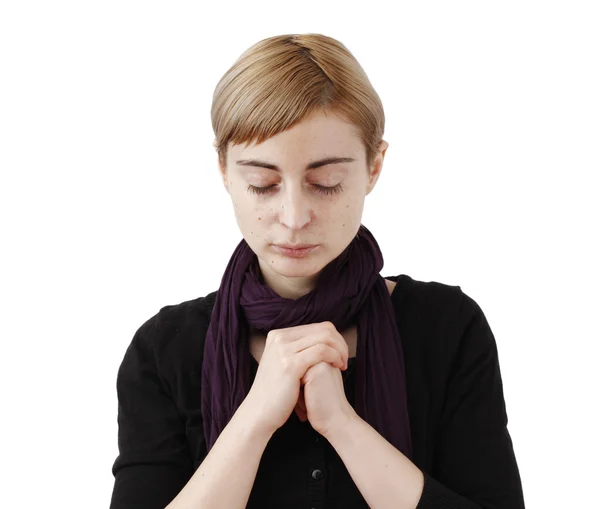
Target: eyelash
321,189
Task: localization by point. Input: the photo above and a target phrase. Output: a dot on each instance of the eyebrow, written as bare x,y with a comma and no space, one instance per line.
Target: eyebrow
311,166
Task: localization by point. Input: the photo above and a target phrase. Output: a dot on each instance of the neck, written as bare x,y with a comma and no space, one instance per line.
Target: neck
289,287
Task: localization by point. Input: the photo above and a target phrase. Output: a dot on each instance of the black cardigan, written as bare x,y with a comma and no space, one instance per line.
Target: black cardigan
455,398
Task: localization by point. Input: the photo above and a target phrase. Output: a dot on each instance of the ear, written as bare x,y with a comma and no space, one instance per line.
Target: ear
377,166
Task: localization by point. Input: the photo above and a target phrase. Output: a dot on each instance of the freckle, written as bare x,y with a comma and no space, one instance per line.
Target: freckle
259,218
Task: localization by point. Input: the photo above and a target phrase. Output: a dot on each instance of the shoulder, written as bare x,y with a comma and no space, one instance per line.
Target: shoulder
175,334
433,317
425,298
444,334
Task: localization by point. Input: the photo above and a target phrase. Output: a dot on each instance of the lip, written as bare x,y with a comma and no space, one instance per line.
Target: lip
295,251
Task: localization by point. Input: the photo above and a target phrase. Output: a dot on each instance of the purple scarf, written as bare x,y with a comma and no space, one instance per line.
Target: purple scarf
349,292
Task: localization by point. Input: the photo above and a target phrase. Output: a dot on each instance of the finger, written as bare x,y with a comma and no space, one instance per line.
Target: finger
302,404
302,415
321,329
315,354
300,407
328,337
304,343
310,334
295,332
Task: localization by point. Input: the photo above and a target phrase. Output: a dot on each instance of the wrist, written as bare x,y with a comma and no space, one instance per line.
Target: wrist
339,426
252,423
345,431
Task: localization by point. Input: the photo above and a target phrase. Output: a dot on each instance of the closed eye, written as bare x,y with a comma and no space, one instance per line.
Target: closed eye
321,189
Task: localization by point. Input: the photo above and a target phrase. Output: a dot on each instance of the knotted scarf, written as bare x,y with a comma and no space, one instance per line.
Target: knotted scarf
349,291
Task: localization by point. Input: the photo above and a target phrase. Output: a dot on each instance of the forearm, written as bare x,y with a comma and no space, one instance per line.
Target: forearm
226,476
385,477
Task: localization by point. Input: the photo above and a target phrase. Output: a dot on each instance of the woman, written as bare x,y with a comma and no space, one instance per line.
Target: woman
307,379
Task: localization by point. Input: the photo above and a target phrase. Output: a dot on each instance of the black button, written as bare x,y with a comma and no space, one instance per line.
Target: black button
317,474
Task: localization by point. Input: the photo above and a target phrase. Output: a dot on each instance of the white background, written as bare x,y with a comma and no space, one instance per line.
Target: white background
111,206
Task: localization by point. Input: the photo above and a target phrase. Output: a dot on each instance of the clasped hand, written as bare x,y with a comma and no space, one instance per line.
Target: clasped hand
322,399
300,370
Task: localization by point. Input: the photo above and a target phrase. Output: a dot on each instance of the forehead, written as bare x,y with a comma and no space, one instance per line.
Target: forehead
320,135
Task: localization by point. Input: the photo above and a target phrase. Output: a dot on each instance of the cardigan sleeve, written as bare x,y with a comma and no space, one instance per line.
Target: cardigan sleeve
474,462
154,463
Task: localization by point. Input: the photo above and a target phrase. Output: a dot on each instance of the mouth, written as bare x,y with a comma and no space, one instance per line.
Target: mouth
295,250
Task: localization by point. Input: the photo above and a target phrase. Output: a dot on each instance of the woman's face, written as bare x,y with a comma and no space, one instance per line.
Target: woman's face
300,202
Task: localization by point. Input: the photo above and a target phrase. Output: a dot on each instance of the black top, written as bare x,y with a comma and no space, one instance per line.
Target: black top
455,399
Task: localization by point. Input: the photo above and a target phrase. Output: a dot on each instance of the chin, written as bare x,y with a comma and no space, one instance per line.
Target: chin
295,267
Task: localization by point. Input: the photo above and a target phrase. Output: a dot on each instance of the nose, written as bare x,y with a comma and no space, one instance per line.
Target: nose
296,210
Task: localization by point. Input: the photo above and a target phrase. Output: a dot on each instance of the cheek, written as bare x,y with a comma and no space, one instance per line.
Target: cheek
250,214
242,203
346,211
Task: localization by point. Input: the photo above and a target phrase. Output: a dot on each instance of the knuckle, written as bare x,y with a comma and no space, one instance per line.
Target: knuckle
274,336
288,363
321,366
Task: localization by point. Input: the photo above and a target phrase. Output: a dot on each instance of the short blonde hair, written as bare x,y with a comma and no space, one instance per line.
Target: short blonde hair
281,80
